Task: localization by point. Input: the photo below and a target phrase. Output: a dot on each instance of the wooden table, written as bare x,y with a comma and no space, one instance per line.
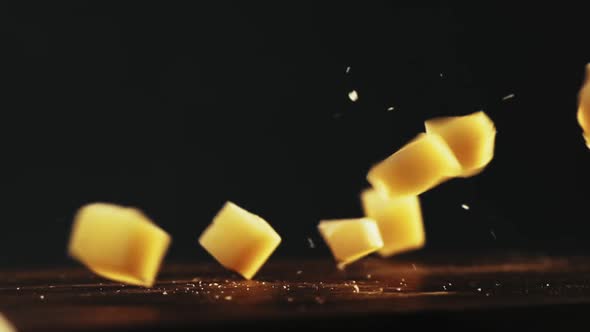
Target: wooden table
473,294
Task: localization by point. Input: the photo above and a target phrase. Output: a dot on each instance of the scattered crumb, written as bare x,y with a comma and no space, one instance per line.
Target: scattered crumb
498,284
510,96
465,206
398,289
228,298
368,276
356,288
450,284
493,233
548,285
42,297
487,294
353,96
320,300
441,75
164,293
18,288
390,108
479,289
347,69
444,287
310,242
299,271
195,279
216,297
289,299
414,266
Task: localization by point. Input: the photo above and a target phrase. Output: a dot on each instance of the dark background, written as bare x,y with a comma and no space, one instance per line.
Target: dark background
178,109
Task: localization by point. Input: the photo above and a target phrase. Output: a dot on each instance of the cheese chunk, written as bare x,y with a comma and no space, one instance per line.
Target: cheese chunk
584,107
399,221
239,240
418,166
471,138
350,239
118,243
6,325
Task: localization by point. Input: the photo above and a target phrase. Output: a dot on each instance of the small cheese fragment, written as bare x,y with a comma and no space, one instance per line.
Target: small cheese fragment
239,240
399,221
584,107
350,239
471,138
6,325
118,243
420,165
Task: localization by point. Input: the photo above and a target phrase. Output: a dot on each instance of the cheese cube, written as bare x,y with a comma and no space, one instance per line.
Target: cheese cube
6,325
471,138
350,239
239,240
399,221
420,165
584,107
118,243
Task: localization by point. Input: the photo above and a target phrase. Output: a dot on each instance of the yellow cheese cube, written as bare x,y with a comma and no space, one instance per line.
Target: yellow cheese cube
471,138
399,220
118,243
418,166
6,325
239,240
584,107
350,239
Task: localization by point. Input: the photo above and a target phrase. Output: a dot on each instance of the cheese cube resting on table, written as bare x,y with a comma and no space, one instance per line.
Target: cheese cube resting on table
6,325
399,221
350,239
420,165
118,243
584,107
239,240
471,138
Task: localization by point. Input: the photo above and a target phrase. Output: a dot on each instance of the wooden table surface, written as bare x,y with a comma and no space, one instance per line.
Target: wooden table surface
476,293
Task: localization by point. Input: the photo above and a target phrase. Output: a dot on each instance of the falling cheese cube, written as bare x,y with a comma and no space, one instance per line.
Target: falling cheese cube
471,138
418,166
584,107
6,325
118,243
239,240
399,221
350,239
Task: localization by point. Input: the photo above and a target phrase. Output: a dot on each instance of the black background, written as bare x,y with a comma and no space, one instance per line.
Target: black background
176,109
